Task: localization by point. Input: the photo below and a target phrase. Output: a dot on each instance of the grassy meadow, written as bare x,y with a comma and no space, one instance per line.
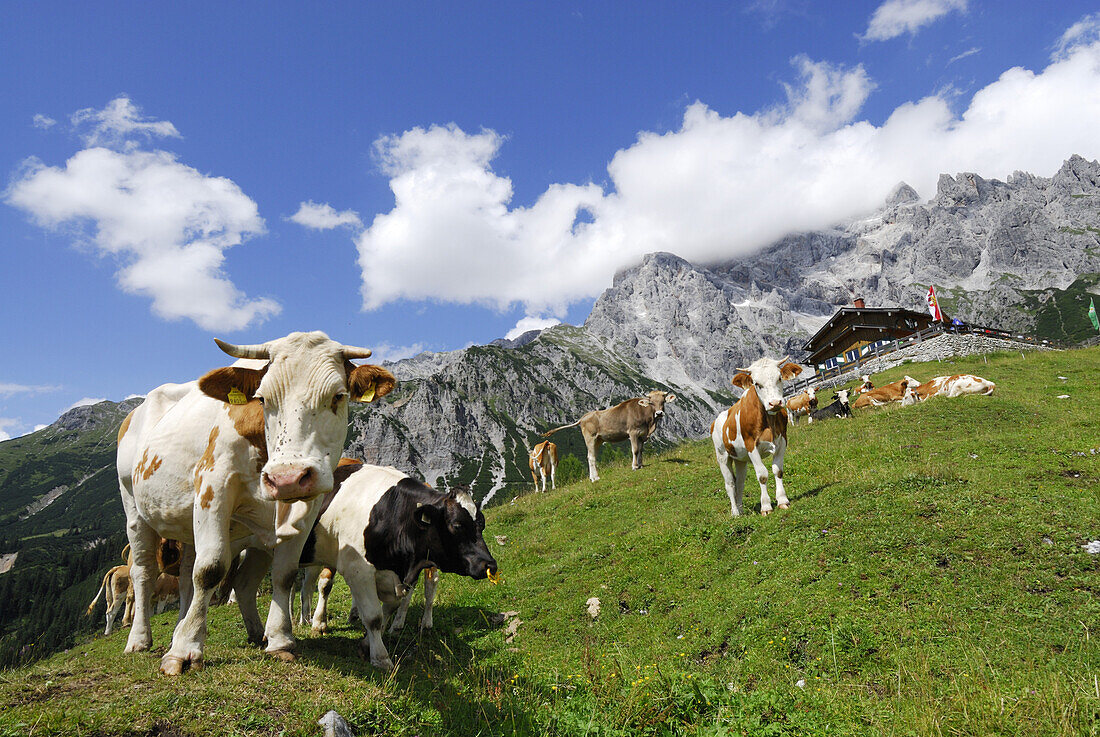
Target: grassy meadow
928,579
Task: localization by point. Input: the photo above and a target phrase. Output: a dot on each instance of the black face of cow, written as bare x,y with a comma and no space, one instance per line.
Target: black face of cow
413,523
455,541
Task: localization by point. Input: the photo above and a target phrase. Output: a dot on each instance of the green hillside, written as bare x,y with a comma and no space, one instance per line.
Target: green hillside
928,579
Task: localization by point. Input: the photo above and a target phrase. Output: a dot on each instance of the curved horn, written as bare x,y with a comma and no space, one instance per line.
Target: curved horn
258,350
788,358
353,352
741,370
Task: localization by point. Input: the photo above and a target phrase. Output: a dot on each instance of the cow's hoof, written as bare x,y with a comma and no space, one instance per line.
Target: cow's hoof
286,656
137,647
765,512
171,665
319,631
784,506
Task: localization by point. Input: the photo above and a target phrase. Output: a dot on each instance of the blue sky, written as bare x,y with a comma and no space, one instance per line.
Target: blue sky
410,176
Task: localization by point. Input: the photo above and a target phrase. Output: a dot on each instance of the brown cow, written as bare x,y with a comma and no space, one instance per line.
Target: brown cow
116,585
802,404
634,420
543,461
166,591
753,429
893,392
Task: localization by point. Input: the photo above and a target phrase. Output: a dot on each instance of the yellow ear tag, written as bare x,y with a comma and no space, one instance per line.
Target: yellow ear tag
494,578
366,396
236,396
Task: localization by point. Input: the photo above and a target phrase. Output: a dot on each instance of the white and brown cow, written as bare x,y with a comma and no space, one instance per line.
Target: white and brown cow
865,385
634,420
543,461
886,394
246,450
955,386
802,404
753,429
116,586
380,530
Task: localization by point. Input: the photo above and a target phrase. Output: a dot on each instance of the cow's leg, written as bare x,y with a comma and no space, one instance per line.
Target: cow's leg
762,477
187,569
402,610
553,475
309,583
364,592
431,580
143,572
535,478
593,448
325,578
724,465
293,523
252,564
128,616
636,452
114,605
777,471
212,557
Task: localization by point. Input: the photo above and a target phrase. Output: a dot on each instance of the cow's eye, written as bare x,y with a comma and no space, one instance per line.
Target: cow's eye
259,399
338,400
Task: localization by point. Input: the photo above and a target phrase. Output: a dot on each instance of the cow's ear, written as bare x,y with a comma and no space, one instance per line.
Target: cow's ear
232,384
789,370
644,403
742,380
368,382
670,398
426,515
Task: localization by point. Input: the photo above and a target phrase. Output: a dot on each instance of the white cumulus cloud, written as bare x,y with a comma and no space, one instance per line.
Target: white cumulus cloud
8,424
719,187
166,224
1083,32
388,352
897,17
531,323
85,402
118,123
324,217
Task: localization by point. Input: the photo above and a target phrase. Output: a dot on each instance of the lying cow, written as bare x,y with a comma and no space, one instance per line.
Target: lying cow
955,386
634,420
802,404
839,407
752,429
246,450
116,586
543,461
381,529
865,385
887,394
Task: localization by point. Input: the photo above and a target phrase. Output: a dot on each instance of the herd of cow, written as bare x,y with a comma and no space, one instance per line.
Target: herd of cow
238,473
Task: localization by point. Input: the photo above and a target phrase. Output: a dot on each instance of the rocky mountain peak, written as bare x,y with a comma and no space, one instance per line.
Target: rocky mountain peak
902,194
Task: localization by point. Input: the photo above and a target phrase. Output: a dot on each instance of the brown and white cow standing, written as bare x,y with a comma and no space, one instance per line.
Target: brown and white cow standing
116,586
634,420
802,404
752,429
543,461
248,449
886,394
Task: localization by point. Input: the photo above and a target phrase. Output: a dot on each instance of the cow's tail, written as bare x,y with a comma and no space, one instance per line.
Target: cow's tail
548,433
91,607
126,553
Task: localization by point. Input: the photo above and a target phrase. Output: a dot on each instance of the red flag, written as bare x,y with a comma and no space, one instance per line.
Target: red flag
934,305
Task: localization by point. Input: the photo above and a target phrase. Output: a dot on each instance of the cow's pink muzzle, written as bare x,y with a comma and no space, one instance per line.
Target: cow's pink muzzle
287,484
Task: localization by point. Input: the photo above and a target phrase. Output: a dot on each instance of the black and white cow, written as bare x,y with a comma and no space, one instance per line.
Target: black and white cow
381,529
838,408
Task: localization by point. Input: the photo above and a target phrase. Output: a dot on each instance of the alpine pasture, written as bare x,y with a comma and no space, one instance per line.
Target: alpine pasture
929,578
